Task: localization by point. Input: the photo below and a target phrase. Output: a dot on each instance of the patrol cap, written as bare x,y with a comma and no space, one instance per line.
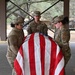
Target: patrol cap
36,13
18,20
62,18
58,19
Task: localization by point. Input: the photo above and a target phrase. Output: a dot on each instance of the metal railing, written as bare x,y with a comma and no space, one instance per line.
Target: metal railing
31,15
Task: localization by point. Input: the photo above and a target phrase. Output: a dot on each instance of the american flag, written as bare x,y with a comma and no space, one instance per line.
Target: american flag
39,55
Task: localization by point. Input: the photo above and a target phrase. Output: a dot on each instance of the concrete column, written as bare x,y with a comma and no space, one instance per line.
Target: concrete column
66,9
2,20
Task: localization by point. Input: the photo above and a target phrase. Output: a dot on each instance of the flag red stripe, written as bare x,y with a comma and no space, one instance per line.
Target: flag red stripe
42,51
32,55
62,72
53,57
17,68
21,51
58,59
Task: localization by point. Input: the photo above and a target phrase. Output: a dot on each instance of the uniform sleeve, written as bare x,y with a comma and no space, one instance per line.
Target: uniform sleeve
12,41
65,36
45,29
29,29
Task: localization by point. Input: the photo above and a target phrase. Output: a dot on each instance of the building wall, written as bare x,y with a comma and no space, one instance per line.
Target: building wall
2,20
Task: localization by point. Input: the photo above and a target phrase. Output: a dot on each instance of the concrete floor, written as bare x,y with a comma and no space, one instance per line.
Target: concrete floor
70,68
5,69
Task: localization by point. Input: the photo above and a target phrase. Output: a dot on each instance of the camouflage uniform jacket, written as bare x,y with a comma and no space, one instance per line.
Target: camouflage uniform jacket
37,27
62,38
15,39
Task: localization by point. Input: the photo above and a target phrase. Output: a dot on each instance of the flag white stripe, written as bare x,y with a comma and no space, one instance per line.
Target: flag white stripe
26,58
47,56
37,54
27,38
20,59
59,67
58,50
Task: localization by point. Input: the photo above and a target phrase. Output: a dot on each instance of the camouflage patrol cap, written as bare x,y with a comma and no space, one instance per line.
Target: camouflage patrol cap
36,13
18,20
58,19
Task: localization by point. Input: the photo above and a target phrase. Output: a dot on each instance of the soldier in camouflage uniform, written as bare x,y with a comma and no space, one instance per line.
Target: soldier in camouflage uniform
62,36
37,25
15,40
